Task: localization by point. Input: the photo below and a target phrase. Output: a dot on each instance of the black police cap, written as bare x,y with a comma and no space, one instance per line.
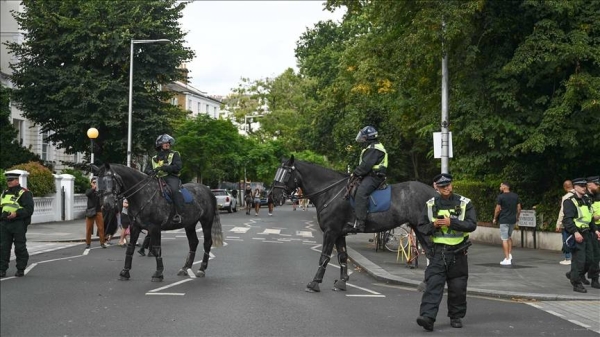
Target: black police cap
594,179
443,179
579,181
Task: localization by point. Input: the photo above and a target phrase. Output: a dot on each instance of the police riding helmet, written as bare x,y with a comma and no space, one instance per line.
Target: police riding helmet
163,139
366,133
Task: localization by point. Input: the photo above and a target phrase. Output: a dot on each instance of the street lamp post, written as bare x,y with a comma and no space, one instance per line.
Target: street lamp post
131,91
92,134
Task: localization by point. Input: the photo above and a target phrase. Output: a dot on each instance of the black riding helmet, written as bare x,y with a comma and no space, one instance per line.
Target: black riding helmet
162,139
366,133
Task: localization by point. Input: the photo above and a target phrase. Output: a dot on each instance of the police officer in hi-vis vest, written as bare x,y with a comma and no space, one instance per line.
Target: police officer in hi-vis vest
17,208
593,186
167,165
371,169
448,218
580,226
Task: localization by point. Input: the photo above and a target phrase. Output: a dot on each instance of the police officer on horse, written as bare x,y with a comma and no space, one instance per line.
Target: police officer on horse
17,209
371,171
166,164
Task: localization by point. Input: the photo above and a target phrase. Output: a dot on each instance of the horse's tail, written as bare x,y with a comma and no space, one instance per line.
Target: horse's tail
217,230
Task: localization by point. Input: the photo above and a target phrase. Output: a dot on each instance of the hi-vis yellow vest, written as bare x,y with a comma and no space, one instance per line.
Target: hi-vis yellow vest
160,163
584,214
10,202
446,235
596,208
377,146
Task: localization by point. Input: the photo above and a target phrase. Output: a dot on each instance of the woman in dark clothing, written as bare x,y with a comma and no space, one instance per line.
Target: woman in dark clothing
93,202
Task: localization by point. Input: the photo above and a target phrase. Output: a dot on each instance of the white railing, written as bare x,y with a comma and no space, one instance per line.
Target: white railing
44,209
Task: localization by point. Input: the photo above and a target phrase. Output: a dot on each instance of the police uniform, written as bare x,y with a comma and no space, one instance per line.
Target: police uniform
578,219
167,164
18,201
371,169
448,256
594,271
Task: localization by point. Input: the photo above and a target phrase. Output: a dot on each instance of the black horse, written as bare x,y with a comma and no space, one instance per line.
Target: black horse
149,210
326,189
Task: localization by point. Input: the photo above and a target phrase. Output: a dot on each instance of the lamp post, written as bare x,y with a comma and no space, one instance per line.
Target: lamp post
131,91
92,134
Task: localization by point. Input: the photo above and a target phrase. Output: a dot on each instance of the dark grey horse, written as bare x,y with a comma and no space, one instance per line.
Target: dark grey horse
149,210
326,189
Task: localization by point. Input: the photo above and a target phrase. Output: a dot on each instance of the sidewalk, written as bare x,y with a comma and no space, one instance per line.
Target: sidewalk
534,275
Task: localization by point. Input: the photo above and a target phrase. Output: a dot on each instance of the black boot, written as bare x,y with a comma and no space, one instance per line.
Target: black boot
595,283
141,252
20,273
578,287
425,322
455,323
585,281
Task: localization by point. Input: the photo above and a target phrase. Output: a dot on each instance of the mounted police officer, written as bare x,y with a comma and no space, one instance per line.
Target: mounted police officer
371,170
578,222
17,208
448,219
167,165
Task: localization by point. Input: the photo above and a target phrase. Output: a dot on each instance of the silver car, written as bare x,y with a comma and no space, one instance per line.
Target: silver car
225,200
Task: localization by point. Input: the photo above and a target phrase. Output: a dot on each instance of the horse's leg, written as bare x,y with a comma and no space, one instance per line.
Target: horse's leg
340,246
206,230
134,234
193,241
328,241
155,233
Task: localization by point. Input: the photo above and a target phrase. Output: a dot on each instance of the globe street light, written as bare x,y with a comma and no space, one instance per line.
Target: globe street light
131,91
92,134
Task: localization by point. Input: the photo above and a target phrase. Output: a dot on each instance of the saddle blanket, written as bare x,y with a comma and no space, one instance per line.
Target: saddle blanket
379,200
187,196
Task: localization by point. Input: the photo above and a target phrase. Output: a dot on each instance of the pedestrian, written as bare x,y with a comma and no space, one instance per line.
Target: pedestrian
302,199
448,218
256,196
248,198
124,222
371,170
111,224
146,244
593,186
294,198
167,164
94,215
580,226
507,212
17,209
568,187
270,202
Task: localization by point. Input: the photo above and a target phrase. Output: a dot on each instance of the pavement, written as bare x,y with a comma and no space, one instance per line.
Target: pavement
534,275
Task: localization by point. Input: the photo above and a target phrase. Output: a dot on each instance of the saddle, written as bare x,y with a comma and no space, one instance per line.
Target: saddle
379,201
167,193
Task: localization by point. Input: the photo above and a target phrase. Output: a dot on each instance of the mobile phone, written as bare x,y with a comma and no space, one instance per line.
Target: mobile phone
441,217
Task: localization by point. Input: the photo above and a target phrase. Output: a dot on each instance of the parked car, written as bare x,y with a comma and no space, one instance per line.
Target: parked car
225,200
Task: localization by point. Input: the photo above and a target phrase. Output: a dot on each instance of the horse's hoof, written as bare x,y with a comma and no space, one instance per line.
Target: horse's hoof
312,287
182,272
200,273
124,275
157,279
339,285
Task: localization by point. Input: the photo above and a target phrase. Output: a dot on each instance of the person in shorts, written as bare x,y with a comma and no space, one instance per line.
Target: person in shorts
507,212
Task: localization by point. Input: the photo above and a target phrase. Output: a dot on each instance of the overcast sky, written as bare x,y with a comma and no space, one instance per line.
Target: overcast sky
253,39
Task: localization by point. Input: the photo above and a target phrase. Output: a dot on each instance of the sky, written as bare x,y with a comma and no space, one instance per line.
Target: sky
251,39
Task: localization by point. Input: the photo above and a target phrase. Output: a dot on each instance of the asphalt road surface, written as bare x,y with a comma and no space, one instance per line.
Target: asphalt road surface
254,286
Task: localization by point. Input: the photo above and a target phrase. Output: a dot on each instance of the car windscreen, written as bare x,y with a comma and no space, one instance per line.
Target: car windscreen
219,193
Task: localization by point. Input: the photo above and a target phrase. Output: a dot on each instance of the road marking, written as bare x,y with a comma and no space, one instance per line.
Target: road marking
166,294
306,234
579,323
348,295
582,313
240,230
268,231
155,291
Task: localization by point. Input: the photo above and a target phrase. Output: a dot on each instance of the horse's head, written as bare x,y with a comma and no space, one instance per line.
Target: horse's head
286,180
109,187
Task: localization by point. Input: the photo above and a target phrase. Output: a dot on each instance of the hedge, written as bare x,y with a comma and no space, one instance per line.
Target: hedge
40,181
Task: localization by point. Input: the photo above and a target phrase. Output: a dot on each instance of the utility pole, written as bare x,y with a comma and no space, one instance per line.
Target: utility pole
445,125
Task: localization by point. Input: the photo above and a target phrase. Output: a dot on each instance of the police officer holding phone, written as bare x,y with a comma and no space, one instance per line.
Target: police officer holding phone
448,218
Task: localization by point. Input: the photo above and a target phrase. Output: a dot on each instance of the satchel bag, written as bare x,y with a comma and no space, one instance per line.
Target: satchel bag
90,212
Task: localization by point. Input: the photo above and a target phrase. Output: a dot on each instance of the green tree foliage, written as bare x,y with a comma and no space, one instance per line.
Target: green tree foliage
82,181
11,151
73,71
40,180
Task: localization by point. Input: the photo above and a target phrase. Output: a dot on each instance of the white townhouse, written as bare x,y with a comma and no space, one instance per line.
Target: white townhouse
193,100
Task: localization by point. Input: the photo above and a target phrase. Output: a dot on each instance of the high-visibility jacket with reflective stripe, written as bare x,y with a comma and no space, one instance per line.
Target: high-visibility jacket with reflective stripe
584,214
10,202
160,163
376,146
445,235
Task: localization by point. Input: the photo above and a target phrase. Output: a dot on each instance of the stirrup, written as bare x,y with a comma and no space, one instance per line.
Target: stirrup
176,218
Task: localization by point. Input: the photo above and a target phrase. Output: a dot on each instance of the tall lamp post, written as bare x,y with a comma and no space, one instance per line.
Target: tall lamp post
92,134
131,91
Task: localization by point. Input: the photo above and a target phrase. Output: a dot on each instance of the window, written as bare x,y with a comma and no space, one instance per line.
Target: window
189,104
207,111
45,145
174,101
199,106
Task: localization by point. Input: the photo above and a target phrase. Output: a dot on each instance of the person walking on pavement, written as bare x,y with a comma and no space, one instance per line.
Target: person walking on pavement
593,185
248,198
568,187
17,209
579,224
507,212
371,170
93,202
167,165
448,219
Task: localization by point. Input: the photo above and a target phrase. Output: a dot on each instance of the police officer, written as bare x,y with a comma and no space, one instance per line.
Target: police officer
448,219
593,186
371,170
578,223
167,165
17,208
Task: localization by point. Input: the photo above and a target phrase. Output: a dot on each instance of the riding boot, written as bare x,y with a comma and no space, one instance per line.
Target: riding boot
595,283
178,207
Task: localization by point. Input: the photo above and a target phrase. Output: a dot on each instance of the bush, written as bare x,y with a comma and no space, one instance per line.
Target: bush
482,194
40,181
3,185
82,181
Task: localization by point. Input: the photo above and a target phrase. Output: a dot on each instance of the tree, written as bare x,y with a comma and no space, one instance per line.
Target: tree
73,71
11,151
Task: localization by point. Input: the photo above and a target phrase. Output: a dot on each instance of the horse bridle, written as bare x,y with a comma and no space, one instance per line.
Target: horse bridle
283,174
125,195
